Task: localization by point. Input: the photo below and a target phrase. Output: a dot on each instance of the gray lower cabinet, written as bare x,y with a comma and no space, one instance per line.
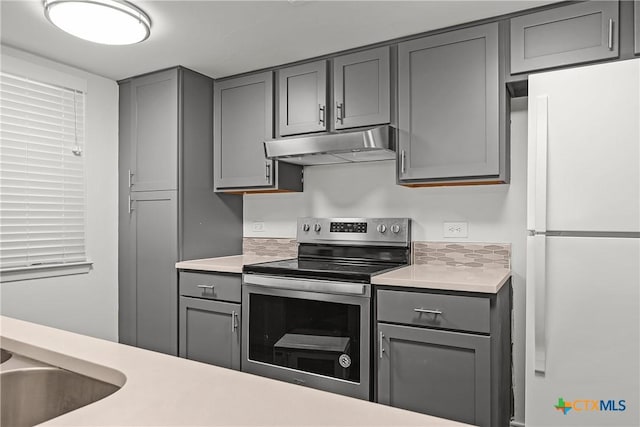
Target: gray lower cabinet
449,109
446,354
243,120
302,98
209,324
441,373
165,140
210,332
362,88
581,32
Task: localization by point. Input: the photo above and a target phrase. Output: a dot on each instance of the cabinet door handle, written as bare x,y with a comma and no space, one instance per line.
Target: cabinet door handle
321,114
206,286
131,209
131,178
267,172
381,346
610,42
340,112
234,321
424,310
403,162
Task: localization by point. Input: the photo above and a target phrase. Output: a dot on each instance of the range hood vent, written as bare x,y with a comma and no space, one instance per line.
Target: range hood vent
364,145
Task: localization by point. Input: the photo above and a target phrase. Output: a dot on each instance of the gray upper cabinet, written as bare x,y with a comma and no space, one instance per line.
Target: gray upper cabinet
582,32
243,120
243,109
636,26
153,131
448,108
440,373
361,88
303,98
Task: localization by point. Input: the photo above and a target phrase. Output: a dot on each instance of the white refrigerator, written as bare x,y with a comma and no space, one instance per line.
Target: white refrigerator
583,247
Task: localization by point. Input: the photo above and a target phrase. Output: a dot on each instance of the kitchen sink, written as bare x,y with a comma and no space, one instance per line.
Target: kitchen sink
31,396
4,355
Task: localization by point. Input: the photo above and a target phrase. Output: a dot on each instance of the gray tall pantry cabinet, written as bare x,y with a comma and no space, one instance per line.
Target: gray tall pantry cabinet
167,208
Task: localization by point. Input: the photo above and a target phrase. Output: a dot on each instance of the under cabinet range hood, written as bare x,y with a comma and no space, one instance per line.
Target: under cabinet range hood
364,145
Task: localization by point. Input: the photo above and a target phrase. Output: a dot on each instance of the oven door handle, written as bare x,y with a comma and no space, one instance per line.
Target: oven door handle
295,284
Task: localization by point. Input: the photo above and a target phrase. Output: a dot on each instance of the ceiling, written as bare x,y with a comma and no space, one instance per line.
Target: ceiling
222,38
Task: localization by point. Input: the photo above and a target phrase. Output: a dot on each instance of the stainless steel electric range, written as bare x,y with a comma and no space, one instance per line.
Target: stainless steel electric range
307,320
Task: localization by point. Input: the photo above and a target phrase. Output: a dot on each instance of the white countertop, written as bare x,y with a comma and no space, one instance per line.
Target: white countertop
226,264
158,389
428,276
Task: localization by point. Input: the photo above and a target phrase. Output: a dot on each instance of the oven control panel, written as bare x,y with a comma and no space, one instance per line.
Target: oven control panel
348,227
357,231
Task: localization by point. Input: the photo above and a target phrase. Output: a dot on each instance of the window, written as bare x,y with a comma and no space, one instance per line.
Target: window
42,189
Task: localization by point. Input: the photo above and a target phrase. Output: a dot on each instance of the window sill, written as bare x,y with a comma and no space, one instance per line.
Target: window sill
44,271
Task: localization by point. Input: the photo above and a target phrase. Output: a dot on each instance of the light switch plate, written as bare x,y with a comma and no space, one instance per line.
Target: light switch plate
455,229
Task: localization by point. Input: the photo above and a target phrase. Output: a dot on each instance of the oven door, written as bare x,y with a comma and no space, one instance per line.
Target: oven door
308,332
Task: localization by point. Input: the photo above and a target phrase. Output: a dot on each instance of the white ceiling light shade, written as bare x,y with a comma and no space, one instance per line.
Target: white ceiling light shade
114,22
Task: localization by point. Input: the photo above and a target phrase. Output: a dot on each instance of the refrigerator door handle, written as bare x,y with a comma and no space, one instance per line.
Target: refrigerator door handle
542,139
540,301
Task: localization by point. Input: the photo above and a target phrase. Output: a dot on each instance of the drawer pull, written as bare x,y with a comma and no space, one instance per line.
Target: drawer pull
424,310
206,287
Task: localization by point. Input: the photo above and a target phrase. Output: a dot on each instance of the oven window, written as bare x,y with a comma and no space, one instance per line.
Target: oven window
311,336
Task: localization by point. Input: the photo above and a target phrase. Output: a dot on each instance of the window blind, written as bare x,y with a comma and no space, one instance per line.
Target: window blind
42,189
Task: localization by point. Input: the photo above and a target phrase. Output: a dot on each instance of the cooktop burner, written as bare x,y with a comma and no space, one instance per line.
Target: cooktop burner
322,269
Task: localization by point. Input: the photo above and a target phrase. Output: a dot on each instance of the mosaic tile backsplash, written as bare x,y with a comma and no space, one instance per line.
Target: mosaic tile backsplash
269,247
487,255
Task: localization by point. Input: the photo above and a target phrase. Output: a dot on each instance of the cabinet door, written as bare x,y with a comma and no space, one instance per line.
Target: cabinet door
154,132
154,243
448,105
243,116
440,373
210,332
636,26
303,98
587,31
361,88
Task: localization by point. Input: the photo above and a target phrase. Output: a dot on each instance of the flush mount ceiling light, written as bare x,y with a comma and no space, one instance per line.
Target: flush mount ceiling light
115,22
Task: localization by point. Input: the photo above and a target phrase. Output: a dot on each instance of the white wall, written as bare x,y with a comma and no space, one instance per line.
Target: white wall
495,213
84,303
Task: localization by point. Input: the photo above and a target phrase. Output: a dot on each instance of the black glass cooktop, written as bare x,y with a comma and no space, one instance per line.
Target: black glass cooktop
360,272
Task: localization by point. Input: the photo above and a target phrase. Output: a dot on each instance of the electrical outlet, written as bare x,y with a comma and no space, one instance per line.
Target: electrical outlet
455,229
258,226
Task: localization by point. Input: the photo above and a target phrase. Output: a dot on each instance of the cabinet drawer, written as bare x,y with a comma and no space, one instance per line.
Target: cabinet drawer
226,287
455,312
